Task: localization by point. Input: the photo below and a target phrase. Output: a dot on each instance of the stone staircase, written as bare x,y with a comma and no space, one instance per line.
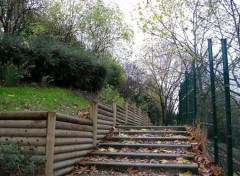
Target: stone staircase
145,149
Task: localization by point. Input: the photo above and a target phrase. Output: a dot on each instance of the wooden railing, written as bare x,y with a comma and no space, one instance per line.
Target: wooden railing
64,139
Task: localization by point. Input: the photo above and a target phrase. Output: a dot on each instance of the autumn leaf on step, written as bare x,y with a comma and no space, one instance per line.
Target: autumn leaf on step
143,130
181,160
163,161
123,135
81,170
102,149
111,149
93,170
143,150
185,174
155,151
191,138
217,171
159,142
132,171
125,149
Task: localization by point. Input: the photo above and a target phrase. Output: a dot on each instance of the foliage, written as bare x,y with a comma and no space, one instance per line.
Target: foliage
41,99
66,66
15,14
16,160
11,74
109,95
102,26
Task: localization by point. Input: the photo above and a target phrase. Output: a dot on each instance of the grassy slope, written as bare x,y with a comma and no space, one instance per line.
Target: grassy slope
40,99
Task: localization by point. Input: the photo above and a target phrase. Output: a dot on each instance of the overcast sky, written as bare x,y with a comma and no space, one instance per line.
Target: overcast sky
128,8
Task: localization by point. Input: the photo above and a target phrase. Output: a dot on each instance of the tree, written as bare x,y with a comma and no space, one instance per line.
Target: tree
163,78
102,27
14,14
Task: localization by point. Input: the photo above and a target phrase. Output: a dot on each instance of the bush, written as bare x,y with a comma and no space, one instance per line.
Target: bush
17,161
66,66
109,95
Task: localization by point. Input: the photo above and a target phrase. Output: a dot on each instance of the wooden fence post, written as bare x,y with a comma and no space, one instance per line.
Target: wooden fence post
114,114
50,140
126,113
140,117
93,116
135,114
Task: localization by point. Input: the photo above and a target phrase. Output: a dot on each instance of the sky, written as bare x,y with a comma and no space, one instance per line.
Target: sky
128,8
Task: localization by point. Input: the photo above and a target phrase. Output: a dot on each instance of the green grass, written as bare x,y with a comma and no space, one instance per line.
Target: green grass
41,99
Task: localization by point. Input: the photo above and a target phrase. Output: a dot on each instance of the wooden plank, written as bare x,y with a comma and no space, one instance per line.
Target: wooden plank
70,141
126,113
100,136
104,122
23,123
64,171
153,127
105,108
18,132
102,131
154,155
51,123
70,133
153,132
23,115
106,113
71,126
147,145
93,116
120,114
37,141
65,164
103,117
151,138
74,120
120,120
70,155
193,167
114,114
99,126
71,148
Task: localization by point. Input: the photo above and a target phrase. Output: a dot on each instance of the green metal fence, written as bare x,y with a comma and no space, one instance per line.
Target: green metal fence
205,98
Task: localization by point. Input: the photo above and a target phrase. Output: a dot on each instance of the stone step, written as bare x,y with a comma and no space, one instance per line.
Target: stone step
148,138
137,154
178,167
170,146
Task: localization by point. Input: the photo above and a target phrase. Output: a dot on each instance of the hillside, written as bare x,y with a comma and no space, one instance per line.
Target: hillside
41,99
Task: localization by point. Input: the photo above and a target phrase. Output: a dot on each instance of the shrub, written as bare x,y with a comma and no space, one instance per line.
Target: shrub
11,74
66,66
109,95
17,161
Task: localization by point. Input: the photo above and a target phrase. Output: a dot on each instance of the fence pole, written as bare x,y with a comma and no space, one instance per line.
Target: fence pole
51,124
140,117
135,114
114,114
194,88
213,93
126,113
186,97
227,106
93,116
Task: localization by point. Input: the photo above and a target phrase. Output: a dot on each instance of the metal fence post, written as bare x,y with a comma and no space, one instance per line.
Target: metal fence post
194,88
227,106
186,96
213,94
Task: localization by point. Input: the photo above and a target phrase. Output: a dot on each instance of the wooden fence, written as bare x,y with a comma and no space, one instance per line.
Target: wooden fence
62,139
